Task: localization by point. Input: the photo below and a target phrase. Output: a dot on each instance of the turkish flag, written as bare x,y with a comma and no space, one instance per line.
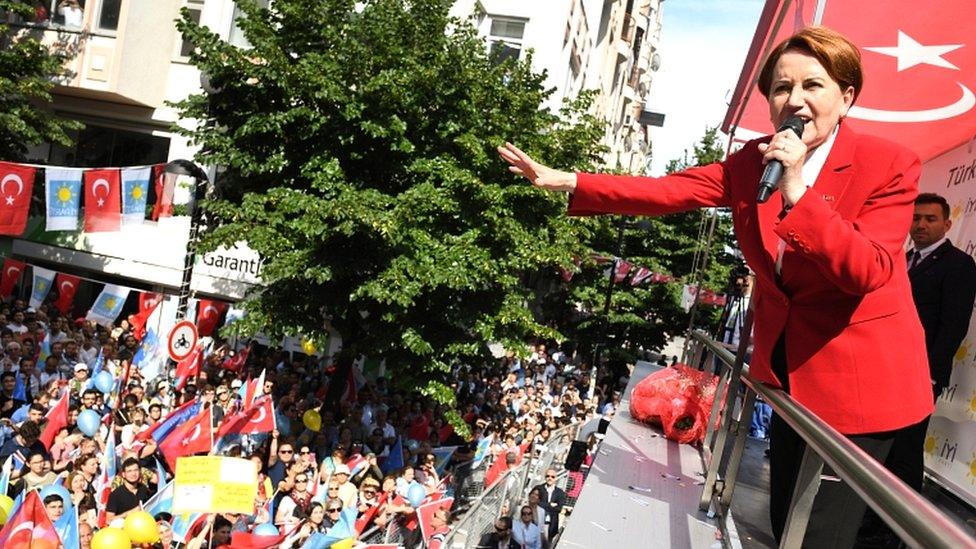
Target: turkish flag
259,418
244,540
189,367
29,526
426,512
208,315
193,437
919,69
236,362
499,466
12,269
103,201
67,287
367,516
165,186
57,419
16,186
623,269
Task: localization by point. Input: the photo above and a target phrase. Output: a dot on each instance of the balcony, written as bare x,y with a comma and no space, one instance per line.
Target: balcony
625,42
108,55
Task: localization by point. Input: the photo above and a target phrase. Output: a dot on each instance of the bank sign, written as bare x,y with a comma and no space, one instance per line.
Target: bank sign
238,263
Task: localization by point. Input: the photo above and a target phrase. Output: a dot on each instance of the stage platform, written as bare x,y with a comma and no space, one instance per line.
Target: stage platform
643,491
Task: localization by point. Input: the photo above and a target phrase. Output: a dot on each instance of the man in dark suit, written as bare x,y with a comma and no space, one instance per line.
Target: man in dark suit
553,498
943,279
501,538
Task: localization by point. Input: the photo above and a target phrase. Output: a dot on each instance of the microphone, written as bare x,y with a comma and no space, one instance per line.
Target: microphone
774,169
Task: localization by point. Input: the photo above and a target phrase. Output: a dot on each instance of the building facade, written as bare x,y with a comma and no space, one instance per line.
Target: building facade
605,45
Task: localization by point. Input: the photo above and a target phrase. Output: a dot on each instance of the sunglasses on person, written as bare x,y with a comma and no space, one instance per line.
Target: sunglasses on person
286,451
526,513
302,479
334,510
370,492
303,452
501,530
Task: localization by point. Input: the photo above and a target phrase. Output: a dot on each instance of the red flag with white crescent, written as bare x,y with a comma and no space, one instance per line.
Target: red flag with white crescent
189,367
103,201
640,275
193,437
165,186
259,418
57,419
16,186
12,269
29,526
623,269
67,287
426,512
209,313
919,69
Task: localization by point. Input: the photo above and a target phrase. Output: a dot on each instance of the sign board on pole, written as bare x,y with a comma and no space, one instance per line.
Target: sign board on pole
182,340
214,484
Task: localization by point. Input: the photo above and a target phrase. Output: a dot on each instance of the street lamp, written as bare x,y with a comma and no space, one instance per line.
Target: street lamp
178,167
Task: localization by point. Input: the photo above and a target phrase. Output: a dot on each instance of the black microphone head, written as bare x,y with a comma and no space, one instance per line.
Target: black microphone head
794,123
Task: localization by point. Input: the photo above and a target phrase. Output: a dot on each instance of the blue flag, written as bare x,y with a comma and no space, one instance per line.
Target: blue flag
67,527
135,191
108,305
481,452
344,528
395,459
162,502
20,390
442,456
63,199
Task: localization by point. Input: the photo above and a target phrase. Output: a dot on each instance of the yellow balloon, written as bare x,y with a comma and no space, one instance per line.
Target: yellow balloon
312,420
111,538
6,504
308,346
344,544
141,527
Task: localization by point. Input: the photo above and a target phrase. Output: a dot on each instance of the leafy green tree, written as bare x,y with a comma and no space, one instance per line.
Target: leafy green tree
27,72
357,153
649,314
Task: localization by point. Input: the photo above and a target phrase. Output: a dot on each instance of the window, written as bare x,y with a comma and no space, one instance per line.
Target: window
97,146
108,14
67,14
236,36
505,38
196,8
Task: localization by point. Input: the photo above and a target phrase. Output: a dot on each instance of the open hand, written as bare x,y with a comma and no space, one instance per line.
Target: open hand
540,175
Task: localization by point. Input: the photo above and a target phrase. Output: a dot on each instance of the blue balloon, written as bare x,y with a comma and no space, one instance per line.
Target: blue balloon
88,422
60,490
265,529
416,494
104,382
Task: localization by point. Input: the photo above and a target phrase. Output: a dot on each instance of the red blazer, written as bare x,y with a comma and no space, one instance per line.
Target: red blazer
855,348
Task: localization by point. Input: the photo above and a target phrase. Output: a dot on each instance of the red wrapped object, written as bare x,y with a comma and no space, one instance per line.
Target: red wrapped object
678,399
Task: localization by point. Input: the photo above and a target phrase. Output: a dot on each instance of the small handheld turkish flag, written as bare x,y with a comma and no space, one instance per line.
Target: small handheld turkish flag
103,201
12,269
16,185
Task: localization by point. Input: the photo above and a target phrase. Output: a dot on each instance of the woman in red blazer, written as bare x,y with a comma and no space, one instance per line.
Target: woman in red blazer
835,324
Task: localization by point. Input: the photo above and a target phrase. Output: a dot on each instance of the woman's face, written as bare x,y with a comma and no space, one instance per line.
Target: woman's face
801,86
222,535
78,483
317,515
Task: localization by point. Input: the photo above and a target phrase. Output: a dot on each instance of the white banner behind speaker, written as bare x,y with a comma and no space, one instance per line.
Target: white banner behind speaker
950,445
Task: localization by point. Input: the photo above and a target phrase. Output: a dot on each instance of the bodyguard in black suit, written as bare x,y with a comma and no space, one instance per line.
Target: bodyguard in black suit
943,279
553,498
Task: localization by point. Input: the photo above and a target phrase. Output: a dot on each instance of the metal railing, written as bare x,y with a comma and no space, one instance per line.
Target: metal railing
511,490
914,519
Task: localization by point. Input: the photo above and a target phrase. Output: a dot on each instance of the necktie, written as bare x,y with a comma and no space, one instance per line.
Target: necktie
916,256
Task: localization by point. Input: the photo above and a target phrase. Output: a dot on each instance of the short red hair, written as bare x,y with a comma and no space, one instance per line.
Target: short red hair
838,55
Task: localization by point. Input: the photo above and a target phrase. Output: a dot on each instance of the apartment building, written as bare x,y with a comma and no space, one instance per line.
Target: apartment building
606,45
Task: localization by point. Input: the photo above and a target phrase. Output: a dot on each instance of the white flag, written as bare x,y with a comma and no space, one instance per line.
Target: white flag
43,279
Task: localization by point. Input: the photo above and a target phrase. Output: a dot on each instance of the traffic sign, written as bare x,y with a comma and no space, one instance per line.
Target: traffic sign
182,340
